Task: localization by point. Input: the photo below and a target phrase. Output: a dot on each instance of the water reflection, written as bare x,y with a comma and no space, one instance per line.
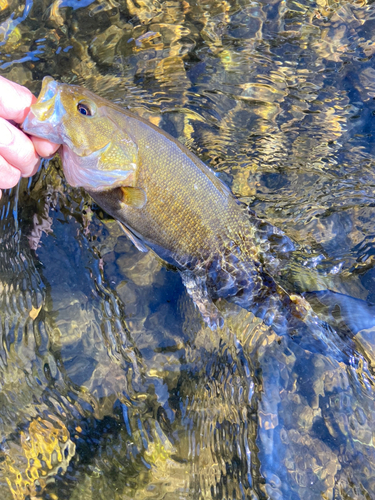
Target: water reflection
111,386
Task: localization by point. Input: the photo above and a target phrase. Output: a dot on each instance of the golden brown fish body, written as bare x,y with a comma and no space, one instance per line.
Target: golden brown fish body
163,195
188,212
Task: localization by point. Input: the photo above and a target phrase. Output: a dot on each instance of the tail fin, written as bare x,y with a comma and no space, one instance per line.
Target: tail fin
293,315
285,313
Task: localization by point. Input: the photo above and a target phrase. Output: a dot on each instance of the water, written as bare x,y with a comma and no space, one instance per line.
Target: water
111,385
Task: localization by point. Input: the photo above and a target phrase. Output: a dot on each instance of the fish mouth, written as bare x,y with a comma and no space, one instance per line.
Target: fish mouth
48,102
44,107
45,115
48,90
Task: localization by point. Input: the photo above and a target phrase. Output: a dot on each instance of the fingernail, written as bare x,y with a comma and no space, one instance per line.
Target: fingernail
6,134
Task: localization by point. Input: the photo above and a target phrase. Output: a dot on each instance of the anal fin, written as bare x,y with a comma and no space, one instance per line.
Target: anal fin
196,288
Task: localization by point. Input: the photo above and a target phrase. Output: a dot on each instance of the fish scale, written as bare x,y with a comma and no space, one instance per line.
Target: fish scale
175,184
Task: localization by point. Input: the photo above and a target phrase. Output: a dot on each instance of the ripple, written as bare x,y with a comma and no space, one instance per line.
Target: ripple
109,379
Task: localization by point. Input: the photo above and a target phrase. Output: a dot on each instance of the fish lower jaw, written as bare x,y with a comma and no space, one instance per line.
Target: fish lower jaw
45,130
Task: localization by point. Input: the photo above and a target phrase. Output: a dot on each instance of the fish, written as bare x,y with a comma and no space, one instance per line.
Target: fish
167,200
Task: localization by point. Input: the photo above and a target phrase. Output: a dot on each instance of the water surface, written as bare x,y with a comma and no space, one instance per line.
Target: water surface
111,385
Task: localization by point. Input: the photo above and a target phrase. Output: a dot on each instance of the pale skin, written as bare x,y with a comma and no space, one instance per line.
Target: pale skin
20,154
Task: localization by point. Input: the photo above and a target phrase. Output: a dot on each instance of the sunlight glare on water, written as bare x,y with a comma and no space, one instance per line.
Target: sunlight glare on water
112,387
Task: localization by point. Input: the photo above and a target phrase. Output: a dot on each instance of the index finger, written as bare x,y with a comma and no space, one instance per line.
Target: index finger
15,100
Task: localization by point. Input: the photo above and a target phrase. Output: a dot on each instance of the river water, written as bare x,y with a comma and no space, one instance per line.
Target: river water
112,387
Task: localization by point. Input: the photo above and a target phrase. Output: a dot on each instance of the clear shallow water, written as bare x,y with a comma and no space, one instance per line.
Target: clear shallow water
111,385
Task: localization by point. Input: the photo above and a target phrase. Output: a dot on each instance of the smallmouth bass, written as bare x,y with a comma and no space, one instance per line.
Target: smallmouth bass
166,199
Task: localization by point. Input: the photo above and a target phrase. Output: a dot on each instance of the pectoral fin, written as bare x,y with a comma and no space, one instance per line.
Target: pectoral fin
133,197
133,238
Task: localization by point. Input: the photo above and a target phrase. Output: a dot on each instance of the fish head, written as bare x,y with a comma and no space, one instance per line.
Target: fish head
98,153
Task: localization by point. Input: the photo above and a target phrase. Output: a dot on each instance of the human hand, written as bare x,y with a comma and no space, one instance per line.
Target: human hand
19,154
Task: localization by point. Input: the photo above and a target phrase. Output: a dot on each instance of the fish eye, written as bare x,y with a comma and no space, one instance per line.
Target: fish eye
84,109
